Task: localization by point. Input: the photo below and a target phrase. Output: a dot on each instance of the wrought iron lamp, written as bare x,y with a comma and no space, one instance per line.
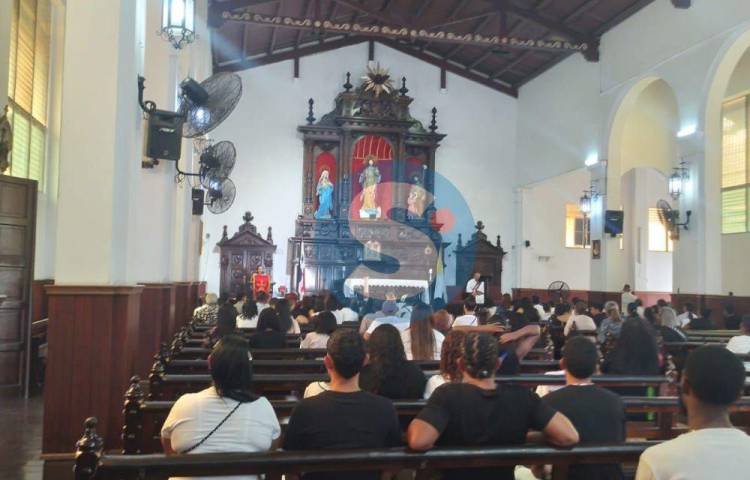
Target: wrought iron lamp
584,203
677,180
178,22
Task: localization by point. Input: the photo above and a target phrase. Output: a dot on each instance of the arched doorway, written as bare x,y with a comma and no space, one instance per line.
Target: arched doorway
642,150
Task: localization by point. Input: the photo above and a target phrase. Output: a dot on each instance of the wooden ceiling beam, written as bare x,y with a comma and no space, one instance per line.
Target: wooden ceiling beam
305,13
215,9
272,40
331,13
477,29
248,63
367,11
440,63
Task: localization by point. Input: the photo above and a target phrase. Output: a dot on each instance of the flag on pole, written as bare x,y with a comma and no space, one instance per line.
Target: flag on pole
440,289
301,270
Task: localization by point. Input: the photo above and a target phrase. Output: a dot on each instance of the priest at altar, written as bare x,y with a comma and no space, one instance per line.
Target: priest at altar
475,288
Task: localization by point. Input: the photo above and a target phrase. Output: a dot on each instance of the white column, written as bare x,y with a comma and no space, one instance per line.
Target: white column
100,141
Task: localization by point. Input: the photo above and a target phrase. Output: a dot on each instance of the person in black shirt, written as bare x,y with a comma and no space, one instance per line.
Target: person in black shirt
344,416
597,413
731,319
268,334
596,311
480,412
389,373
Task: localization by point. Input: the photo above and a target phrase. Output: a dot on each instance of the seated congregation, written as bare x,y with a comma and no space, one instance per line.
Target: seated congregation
393,379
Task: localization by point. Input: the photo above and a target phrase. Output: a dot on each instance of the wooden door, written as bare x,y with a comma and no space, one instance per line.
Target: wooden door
17,226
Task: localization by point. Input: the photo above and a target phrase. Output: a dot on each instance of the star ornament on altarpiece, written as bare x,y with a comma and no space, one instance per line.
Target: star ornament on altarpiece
377,80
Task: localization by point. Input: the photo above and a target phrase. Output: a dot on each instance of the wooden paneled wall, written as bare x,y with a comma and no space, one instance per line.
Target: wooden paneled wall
39,300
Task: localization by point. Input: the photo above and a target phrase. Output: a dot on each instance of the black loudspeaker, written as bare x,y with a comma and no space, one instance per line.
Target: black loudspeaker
197,195
164,139
613,222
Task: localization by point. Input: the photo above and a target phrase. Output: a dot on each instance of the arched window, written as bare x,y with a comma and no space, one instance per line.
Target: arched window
735,174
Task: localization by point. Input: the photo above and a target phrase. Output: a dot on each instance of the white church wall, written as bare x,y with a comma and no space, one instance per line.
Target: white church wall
547,259
477,156
566,113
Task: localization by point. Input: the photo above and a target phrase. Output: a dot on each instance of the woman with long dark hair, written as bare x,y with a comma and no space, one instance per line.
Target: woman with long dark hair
225,417
421,341
268,334
249,316
389,373
226,324
325,325
635,352
287,324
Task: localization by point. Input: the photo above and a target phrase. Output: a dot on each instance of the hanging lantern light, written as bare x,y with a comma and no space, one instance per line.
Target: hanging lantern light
178,22
584,204
675,185
677,180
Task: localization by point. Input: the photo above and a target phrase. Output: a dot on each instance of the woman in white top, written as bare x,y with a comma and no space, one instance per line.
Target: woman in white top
421,341
249,316
225,417
449,370
325,324
286,322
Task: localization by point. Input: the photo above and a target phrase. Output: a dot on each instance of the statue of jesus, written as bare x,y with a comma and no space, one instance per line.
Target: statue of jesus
369,179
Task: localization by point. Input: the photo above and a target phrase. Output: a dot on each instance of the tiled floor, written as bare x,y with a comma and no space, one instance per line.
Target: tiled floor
20,438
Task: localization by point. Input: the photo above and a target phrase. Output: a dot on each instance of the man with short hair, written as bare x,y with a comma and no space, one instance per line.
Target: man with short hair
627,298
344,417
596,312
597,413
712,381
469,318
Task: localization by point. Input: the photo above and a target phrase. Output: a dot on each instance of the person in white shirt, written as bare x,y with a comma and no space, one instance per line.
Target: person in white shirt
225,417
346,312
241,300
249,316
627,298
740,344
539,307
261,301
713,379
582,322
421,341
687,315
468,319
475,288
325,325
389,316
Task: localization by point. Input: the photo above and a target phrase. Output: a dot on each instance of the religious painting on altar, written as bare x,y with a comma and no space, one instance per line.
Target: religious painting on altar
372,174
325,174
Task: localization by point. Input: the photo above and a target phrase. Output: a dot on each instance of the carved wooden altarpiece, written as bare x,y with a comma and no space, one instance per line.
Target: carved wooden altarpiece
389,232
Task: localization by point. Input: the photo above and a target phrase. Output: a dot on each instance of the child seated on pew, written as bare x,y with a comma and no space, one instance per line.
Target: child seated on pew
225,417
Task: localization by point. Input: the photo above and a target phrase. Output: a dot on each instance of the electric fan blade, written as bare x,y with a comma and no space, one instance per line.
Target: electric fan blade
225,198
224,92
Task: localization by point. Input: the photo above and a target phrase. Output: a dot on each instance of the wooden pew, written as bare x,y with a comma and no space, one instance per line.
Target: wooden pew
92,464
144,419
169,387
179,366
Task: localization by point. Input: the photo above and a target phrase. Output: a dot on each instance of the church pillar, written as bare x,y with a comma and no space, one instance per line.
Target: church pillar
95,305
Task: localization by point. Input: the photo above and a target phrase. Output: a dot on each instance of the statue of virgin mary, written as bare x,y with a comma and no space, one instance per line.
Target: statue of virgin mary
325,196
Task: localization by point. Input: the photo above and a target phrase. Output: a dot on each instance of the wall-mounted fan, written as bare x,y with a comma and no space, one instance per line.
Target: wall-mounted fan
670,218
216,163
203,106
558,291
220,195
